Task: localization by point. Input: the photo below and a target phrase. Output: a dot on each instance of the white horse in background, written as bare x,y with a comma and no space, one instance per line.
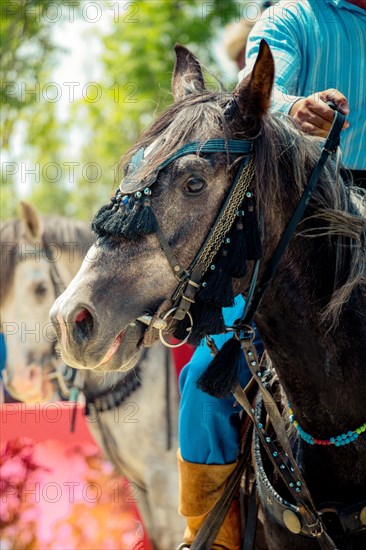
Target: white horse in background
132,417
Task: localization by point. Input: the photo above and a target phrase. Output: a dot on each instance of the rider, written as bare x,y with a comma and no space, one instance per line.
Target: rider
317,47
209,437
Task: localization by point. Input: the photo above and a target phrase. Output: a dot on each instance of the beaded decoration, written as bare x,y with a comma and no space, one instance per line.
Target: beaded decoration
338,440
129,216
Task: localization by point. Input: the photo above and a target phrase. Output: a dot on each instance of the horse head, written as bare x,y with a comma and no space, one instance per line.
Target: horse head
35,268
176,180
175,233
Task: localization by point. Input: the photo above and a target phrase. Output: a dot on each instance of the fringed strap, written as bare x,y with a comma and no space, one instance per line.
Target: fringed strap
287,469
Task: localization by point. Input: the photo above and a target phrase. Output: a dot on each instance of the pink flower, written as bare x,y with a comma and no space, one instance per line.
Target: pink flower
14,471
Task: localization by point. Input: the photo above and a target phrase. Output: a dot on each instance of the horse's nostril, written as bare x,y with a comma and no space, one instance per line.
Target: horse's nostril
81,316
84,324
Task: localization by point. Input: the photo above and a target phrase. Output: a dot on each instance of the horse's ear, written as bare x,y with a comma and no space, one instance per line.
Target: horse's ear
32,223
253,94
187,76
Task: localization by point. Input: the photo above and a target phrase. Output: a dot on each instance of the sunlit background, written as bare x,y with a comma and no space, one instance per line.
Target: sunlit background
80,80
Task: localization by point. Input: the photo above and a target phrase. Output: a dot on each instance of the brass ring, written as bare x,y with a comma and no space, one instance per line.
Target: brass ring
179,344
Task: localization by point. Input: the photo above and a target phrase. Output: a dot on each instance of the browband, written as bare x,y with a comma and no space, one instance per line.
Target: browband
131,184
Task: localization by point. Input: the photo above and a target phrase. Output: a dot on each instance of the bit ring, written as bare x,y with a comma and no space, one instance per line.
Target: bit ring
179,344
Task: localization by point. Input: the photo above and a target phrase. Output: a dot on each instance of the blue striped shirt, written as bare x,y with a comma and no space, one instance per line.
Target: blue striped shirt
318,44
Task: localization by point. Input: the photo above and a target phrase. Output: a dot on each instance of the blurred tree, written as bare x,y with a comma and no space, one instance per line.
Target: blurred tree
9,202
136,66
47,145
26,51
28,55
138,60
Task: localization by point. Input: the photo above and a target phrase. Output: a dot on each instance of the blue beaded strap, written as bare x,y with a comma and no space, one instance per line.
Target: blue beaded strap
338,440
234,146
219,145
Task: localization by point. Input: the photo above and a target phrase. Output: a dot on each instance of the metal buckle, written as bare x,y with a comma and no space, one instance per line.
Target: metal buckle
147,320
161,334
316,529
330,518
244,332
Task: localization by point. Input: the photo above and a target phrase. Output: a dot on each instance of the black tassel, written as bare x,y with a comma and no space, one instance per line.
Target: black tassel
116,222
218,289
140,220
128,216
221,376
145,219
129,227
180,332
100,218
207,319
253,238
237,256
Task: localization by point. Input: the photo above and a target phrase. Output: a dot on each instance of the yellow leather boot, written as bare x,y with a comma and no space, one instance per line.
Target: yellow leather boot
200,487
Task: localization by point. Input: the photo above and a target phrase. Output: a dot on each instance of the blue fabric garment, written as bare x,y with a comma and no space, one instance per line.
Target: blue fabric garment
2,354
208,426
317,45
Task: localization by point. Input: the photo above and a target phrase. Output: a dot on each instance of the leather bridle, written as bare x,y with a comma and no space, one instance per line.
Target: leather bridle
190,278
303,518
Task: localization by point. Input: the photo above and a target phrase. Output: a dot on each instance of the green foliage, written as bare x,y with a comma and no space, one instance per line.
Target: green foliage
138,61
28,56
26,51
8,200
136,66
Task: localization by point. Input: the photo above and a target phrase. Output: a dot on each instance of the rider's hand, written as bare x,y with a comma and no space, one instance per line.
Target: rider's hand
315,116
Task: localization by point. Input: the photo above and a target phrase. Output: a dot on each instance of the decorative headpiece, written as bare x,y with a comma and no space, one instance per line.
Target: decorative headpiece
236,237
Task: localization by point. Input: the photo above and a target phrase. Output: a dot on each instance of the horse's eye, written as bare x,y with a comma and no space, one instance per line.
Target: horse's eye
194,186
41,289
